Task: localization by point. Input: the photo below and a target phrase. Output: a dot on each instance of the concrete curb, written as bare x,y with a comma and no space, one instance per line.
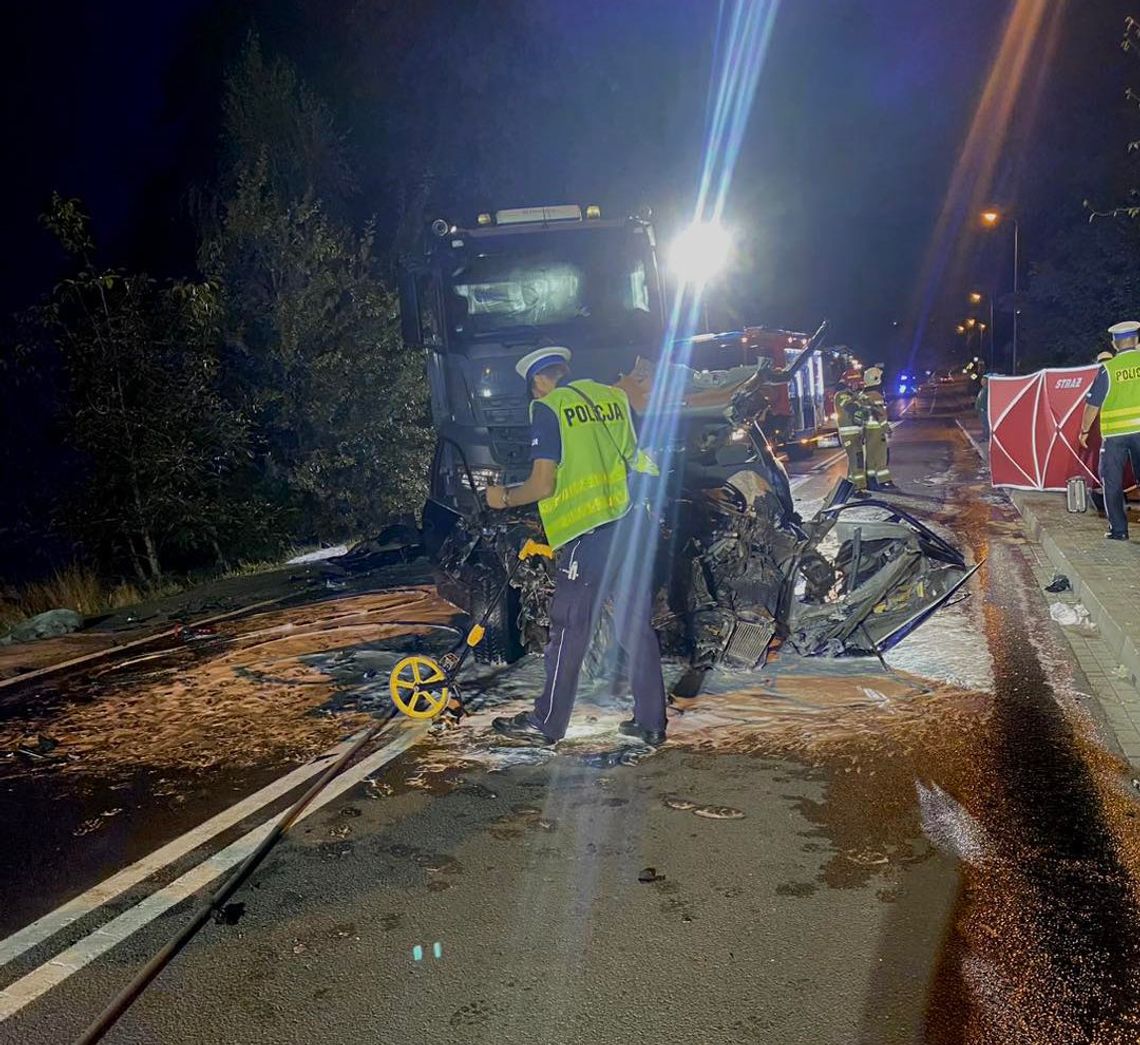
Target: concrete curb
1115,723
972,441
1115,639
1119,644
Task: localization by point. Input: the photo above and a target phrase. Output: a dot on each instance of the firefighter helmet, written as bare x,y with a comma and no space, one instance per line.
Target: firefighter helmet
852,378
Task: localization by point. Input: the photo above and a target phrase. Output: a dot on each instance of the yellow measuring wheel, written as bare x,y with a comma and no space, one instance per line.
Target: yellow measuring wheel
422,687
419,687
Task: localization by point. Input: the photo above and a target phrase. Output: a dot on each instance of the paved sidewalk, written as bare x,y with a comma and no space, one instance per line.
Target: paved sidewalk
1105,576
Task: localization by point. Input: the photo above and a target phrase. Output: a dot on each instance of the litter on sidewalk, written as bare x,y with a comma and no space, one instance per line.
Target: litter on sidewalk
1071,616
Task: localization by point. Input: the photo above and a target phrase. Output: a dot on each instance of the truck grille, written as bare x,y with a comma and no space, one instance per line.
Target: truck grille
510,446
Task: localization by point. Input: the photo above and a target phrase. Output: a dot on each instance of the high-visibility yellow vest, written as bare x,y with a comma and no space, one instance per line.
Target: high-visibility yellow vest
599,448
1120,412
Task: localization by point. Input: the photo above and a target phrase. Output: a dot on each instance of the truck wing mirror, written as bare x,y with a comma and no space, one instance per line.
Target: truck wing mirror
411,329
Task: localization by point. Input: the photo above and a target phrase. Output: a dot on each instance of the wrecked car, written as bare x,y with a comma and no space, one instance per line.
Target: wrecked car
736,570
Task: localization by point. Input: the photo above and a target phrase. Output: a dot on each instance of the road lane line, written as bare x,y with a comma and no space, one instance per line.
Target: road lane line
816,471
95,897
39,981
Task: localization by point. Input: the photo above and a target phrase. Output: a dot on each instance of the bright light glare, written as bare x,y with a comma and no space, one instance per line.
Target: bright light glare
700,253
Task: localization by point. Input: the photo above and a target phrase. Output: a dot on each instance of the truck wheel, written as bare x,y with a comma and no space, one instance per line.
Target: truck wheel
502,643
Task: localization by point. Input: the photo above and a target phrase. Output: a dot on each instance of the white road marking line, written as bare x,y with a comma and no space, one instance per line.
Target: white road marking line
95,897
816,471
39,981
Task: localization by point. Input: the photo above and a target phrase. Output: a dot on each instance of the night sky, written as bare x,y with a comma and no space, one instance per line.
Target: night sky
860,115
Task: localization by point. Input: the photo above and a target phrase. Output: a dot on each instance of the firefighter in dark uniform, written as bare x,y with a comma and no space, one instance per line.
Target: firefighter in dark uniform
850,416
875,430
1115,397
583,449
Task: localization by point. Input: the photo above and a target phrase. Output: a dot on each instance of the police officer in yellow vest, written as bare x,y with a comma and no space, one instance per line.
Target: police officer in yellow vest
850,416
1115,396
583,447
875,429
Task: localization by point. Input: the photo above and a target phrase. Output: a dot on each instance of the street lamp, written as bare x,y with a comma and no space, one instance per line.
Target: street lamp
991,219
976,299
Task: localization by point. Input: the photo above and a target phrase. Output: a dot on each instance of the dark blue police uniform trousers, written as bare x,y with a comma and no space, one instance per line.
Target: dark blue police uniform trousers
1114,452
586,575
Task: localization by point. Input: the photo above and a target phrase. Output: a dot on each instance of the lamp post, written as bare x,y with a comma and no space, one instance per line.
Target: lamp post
991,219
976,297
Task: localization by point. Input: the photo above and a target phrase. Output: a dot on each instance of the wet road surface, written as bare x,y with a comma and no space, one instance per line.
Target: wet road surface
838,854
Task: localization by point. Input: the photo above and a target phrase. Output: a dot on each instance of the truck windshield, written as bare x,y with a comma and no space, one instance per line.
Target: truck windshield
586,279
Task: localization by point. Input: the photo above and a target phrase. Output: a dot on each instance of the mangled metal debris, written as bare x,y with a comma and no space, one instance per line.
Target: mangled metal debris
737,572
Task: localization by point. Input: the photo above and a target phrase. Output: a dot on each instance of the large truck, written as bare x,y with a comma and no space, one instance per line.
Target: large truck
734,567
478,298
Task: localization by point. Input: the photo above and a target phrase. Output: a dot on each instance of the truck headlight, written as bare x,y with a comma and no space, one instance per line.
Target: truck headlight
484,477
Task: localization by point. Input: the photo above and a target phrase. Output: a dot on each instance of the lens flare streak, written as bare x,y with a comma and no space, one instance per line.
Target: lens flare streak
743,32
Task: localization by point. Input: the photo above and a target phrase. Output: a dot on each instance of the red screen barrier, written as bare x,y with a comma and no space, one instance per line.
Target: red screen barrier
1035,423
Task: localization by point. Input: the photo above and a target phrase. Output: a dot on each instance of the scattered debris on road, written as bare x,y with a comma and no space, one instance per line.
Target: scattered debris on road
245,694
1071,616
718,813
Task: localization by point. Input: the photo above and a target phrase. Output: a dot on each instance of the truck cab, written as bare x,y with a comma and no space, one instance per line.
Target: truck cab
478,298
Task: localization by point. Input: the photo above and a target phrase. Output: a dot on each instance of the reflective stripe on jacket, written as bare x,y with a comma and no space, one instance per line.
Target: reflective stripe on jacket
599,448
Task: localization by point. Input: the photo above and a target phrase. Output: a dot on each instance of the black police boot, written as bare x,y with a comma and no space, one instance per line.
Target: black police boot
632,728
1112,536
520,728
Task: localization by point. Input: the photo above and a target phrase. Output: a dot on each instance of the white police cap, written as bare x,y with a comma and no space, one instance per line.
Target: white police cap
1127,329
540,359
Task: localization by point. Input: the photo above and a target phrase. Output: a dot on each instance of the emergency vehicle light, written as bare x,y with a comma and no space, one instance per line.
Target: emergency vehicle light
484,219
520,215
593,211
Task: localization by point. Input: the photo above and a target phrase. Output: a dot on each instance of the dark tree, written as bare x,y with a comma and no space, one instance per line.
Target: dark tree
157,446
313,353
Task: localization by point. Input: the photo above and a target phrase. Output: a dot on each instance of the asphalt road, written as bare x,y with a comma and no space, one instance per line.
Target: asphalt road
827,853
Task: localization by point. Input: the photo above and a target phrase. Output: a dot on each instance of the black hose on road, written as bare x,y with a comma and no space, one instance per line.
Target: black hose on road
123,1001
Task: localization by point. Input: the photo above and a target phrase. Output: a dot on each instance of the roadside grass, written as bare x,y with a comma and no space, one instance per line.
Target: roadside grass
76,587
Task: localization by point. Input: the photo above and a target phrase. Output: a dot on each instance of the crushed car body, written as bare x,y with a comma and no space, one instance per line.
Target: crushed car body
737,571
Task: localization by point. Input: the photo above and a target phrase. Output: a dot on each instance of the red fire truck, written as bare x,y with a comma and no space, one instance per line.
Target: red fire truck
801,376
